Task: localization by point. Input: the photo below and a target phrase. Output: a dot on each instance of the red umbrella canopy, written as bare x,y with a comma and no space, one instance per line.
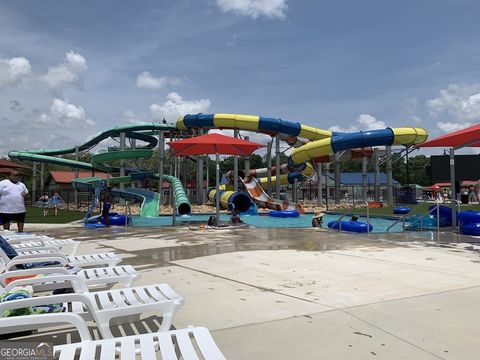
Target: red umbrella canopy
469,137
213,144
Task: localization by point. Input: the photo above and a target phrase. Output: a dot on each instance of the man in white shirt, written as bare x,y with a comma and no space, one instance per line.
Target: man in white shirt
12,206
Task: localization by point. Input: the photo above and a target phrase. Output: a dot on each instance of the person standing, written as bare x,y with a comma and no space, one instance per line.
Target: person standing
12,201
106,198
44,203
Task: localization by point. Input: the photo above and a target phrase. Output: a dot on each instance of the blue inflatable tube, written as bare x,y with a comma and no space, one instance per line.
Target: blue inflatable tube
284,213
401,210
115,219
468,217
444,211
469,222
470,229
352,226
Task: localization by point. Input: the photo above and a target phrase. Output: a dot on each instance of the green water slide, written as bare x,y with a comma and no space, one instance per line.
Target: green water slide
143,132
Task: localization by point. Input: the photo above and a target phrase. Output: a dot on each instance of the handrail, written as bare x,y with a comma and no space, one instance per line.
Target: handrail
400,218
339,220
368,215
429,213
454,225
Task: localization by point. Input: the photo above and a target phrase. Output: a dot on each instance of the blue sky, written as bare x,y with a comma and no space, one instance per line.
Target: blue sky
69,69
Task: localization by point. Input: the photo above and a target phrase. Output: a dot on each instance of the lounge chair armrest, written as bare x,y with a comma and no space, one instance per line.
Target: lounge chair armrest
33,322
33,257
78,284
34,271
23,261
43,250
47,300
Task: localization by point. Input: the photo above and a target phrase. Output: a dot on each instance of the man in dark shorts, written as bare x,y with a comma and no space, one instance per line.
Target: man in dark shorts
12,205
106,198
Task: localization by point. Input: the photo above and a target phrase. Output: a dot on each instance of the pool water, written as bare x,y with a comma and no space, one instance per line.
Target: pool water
265,221
305,221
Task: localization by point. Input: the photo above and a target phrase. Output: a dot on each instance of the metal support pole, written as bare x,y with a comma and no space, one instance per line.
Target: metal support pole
42,178
389,176
327,168
319,184
247,160
364,178
133,146
184,167
161,158
34,182
235,165
295,188
77,158
277,167
122,162
199,176
269,168
337,178
453,187
217,187
376,175
207,171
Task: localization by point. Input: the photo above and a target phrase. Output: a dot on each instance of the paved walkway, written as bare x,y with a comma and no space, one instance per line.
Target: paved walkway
308,293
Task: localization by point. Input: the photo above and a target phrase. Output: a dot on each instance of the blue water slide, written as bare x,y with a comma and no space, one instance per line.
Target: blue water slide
361,139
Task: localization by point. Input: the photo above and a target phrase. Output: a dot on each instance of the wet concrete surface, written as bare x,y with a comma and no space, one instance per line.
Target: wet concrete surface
178,243
310,293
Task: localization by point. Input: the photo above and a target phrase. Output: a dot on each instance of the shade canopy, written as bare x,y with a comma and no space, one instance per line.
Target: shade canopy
213,144
10,165
468,137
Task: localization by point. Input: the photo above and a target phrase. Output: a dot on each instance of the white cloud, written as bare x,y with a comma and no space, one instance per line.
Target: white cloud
451,127
175,106
254,8
363,122
12,71
64,113
369,122
148,81
26,102
62,75
460,101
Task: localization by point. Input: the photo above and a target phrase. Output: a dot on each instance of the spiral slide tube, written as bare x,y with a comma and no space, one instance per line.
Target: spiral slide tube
287,130
321,146
321,142
98,161
384,137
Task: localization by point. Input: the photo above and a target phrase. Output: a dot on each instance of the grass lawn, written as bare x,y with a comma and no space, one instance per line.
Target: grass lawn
419,209
35,215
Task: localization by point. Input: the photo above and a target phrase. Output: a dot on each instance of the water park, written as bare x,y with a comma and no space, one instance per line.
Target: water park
178,179
296,244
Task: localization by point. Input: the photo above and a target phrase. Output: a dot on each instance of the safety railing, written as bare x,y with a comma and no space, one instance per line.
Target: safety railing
459,203
339,220
429,212
396,222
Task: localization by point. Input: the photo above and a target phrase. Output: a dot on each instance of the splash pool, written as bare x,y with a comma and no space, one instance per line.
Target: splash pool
265,221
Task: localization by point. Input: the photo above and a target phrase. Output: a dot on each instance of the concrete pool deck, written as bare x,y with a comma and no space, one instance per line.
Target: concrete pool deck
309,293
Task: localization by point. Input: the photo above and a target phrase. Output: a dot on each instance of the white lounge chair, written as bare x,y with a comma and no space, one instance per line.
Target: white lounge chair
102,306
109,259
42,240
188,344
94,278
60,244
